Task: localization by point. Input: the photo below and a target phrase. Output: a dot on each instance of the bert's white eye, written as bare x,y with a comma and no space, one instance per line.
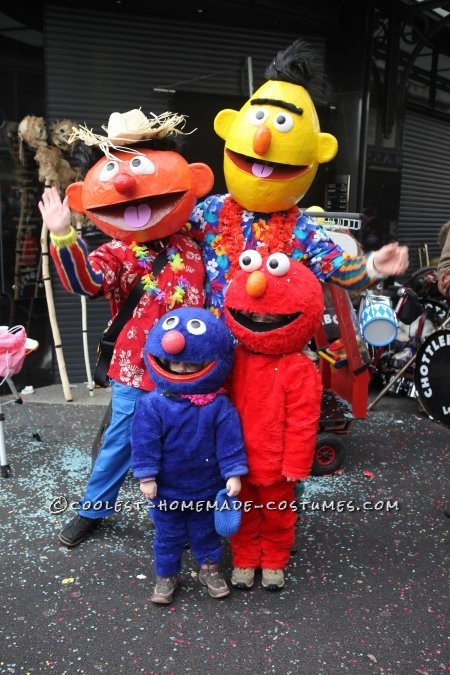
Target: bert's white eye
258,116
196,327
283,122
250,260
108,172
170,322
278,264
141,165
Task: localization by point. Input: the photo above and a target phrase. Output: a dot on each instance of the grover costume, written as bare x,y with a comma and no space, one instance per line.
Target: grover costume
273,306
186,437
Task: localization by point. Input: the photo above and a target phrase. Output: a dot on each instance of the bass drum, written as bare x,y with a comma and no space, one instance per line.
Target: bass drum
432,376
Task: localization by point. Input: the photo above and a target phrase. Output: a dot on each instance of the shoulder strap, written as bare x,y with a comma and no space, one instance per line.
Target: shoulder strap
132,300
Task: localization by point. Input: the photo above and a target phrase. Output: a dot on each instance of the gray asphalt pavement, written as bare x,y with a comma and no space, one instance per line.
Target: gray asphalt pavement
366,586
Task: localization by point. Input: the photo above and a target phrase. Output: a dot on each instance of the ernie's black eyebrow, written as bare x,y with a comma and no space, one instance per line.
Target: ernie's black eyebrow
281,104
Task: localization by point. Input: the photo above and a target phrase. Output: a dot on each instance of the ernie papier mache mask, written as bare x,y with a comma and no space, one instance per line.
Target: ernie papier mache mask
138,193
273,307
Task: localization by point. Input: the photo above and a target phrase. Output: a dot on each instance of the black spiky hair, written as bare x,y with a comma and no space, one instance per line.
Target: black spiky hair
300,64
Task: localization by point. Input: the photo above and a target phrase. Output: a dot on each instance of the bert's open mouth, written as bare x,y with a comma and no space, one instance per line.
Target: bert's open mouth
271,170
262,323
177,371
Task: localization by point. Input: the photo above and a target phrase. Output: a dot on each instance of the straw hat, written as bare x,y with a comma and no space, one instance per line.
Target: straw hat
129,128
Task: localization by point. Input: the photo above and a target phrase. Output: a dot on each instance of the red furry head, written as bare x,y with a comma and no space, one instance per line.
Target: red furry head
274,305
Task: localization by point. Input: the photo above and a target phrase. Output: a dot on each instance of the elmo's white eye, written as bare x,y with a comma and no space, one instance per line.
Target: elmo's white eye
170,322
283,122
278,264
108,172
258,116
250,260
141,165
196,327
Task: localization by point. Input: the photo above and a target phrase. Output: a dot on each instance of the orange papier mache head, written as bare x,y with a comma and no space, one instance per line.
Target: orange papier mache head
138,194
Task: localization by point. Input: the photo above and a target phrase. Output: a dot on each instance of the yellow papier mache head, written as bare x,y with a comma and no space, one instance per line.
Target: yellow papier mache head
273,144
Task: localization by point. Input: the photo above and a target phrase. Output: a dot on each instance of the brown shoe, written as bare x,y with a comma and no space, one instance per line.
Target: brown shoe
272,580
210,577
164,589
243,577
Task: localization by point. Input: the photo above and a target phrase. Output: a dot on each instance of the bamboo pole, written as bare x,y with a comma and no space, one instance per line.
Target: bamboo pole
90,381
52,315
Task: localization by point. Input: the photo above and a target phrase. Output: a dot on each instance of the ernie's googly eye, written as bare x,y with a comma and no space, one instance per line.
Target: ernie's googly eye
278,264
170,322
250,260
141,165
108,172
196,327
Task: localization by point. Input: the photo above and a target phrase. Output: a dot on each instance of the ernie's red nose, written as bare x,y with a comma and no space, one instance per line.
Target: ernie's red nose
173,342
124,183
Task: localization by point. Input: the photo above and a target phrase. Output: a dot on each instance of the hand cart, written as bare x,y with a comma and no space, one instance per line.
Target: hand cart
345,370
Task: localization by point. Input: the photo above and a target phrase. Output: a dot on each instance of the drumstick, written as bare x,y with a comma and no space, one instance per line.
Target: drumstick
336,364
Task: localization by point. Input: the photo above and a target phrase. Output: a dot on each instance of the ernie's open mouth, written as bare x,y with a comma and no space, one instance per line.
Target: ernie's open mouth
262,323
271,170
137,214
180,371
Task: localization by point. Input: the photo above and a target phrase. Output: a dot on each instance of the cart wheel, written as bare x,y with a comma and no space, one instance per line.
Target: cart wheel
329,454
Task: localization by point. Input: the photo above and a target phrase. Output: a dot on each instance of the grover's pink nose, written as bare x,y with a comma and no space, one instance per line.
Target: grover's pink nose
173,342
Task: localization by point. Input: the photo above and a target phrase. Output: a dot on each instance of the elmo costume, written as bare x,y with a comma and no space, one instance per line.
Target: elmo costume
273,307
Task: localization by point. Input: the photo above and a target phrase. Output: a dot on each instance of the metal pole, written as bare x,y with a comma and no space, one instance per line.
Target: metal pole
250,75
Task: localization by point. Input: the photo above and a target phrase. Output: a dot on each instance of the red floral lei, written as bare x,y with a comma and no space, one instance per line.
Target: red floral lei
272,234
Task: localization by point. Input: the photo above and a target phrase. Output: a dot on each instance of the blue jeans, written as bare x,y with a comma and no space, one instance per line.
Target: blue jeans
114,457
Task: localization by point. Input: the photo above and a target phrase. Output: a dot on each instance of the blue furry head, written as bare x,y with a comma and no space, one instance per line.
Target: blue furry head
189,351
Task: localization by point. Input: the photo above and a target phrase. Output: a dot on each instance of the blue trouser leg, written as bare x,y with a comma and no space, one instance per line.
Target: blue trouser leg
171,529
113,460
206,544
168,544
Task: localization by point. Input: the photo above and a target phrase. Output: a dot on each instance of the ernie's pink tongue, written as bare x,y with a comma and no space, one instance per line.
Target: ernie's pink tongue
137,216
261,170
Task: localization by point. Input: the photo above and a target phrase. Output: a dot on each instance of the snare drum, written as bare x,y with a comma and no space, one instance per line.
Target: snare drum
377,320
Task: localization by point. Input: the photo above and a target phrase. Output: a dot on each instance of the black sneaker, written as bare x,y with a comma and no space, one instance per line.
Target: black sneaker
78,529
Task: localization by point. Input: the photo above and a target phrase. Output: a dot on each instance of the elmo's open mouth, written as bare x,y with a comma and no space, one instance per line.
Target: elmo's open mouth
271,170
262,323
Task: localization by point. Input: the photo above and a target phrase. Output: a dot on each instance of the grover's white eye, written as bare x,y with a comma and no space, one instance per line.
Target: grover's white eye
278,264
141,165
283,122
110,170
250,260
170,322
196,327
258,116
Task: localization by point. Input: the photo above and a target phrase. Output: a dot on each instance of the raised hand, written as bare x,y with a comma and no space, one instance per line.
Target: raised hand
55,212
391,260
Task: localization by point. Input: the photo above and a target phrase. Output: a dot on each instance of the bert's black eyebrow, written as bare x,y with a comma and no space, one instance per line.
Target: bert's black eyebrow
281,104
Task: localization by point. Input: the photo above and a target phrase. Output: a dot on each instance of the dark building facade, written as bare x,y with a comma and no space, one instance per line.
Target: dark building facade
387,63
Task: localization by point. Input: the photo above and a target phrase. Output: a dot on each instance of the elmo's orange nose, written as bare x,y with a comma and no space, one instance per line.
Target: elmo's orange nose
256,284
